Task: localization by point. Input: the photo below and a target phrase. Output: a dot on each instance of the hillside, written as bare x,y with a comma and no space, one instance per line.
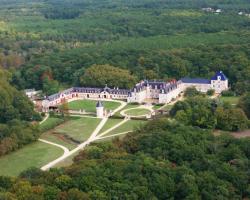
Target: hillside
162,160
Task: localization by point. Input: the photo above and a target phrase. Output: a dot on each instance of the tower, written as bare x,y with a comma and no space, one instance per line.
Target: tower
219,82
99,110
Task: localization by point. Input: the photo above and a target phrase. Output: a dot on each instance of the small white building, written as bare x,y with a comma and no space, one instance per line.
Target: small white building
100,110
218,11
31,93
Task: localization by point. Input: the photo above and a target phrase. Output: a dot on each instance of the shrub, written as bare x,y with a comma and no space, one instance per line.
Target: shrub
227,93
210,92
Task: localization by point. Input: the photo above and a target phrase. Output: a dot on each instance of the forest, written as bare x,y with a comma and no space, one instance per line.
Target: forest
51,45
16,113
162,160
58,40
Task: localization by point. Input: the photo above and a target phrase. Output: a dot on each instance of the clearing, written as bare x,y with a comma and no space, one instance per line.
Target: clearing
33,155
90,105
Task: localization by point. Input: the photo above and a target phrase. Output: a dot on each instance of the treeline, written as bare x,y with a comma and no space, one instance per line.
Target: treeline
199,61
16,114
162,160
210,114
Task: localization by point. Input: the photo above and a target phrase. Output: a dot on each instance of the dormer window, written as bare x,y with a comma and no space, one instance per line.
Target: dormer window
218,77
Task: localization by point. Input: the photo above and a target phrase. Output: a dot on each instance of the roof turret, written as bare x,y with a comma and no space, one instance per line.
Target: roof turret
99,104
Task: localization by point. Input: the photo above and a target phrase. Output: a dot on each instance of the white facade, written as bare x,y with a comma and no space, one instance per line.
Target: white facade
99,110
154,91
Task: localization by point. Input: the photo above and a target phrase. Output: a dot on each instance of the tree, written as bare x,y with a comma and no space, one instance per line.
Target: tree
244,104
100,75
210,92
50,86
191,92
75,194
51,192
63,182
232,119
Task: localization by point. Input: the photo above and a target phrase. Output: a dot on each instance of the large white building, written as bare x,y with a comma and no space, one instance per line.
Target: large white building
145,91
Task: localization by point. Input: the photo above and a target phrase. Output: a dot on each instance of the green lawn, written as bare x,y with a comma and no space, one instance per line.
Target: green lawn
33,155
109,124
90,105
230,100
138,112
167,107
49,136
128,106
128,126
79,129
50,123
157,106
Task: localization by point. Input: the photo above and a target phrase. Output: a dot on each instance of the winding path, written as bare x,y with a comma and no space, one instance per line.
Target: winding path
66,150
46,117
109,136
123,112
92,138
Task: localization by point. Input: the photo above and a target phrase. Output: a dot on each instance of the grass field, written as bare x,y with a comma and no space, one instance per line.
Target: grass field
138,112
50,123
33,155
128,126
109,124
79,129
90,105
128,106
49,136
230,100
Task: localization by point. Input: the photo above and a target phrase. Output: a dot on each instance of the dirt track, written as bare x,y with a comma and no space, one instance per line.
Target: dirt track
241,134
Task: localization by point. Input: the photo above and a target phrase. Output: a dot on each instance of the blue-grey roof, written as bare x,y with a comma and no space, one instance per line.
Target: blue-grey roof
195,80
99,104
221,74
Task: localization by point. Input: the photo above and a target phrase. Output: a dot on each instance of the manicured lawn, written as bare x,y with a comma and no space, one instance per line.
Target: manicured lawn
128,106
167,107
90,105
49,136
50,123
109,124
230,100
79,129
138,112
157,106
128,126
33,155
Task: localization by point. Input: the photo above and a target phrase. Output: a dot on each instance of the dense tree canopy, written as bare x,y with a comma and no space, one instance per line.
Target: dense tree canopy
16,113
162,160
101,75
206,113
245,104
153,39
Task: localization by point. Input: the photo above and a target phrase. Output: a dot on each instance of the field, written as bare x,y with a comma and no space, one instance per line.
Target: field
50,123
79,129
137,112
110,123
128,126
90,105
58,139
230,100
34,155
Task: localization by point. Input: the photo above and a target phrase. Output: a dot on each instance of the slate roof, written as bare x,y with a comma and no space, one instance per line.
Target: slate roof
164,87
221,74
196,80
99,104
116,91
